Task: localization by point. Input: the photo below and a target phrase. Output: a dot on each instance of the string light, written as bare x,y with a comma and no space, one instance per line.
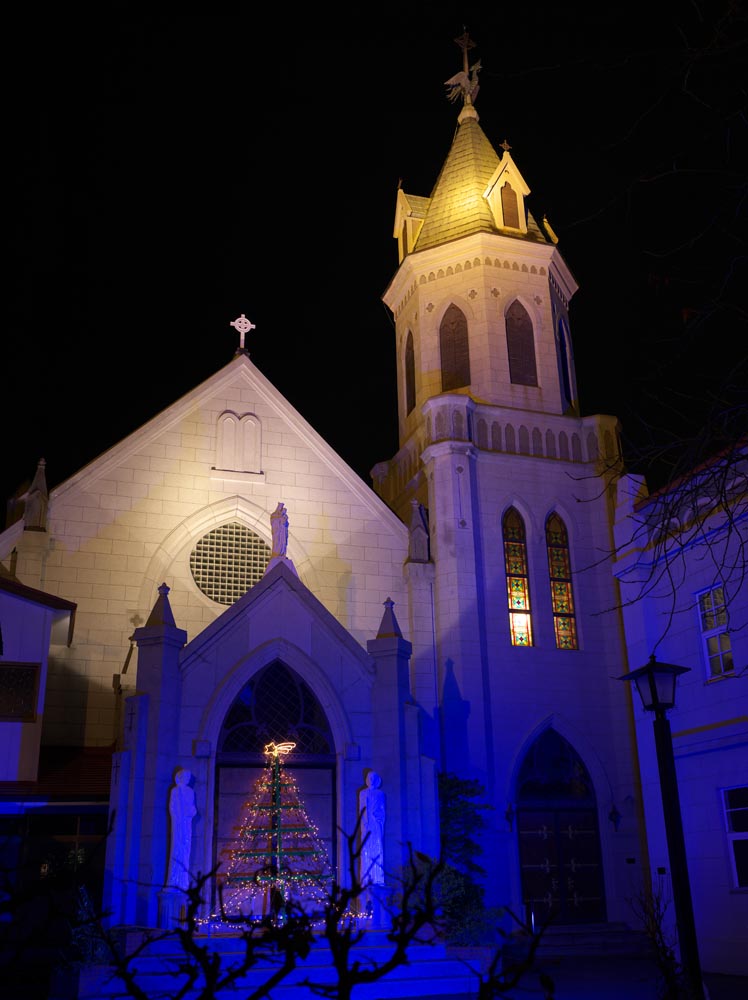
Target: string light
277,855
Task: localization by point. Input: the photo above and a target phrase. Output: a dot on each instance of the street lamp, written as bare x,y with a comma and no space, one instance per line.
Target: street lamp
656,685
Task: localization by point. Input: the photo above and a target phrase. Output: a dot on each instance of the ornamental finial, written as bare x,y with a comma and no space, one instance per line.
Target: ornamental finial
465,83
242,325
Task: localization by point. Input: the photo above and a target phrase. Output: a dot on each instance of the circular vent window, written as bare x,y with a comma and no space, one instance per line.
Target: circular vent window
227,561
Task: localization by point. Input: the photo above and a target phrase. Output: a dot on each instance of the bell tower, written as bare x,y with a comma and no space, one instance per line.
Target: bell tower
480,301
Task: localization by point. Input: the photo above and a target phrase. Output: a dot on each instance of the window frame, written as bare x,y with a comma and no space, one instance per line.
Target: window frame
735,836
718,631
555,577
517,583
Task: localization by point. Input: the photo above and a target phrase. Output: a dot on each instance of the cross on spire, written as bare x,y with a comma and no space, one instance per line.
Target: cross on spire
242,325
466,43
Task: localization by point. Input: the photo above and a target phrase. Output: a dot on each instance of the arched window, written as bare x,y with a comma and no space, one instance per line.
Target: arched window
520,343
509,208
453,347
517,580
410,374
276,704
562,596
239,445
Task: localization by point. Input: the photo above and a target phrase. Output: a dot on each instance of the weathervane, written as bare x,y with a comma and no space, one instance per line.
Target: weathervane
465,83
242,325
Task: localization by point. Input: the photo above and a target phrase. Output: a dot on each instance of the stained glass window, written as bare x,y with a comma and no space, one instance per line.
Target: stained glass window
562,596
517,582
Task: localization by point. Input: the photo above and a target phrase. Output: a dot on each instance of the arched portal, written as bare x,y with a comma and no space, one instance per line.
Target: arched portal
559,838
276,705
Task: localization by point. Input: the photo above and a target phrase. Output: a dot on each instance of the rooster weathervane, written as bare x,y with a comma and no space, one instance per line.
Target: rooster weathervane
465,83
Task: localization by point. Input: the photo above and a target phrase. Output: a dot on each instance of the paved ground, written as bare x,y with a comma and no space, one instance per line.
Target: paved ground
617,978
602,978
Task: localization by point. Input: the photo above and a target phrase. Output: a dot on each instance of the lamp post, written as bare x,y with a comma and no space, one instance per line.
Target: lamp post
655,683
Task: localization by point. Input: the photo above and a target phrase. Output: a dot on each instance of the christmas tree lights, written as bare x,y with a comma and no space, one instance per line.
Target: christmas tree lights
278,855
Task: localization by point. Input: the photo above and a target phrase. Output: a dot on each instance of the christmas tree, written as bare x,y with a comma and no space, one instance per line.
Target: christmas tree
278,855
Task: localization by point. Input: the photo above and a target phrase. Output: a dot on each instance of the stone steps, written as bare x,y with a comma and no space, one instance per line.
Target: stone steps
431,972
571,940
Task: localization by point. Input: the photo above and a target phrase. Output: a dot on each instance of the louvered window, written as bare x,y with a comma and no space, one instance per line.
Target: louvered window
509,208
410,375
520,342
453,345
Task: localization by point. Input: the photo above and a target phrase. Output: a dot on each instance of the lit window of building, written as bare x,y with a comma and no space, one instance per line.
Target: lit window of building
562,596
713,620
517,581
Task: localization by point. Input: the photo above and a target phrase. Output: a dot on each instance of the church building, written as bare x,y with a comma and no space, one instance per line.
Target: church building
221,580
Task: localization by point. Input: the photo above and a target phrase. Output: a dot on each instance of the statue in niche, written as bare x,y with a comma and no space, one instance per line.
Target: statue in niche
182,810
279,528
372,811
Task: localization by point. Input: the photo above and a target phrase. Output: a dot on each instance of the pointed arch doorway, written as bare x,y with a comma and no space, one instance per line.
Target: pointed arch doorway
559,836
276,705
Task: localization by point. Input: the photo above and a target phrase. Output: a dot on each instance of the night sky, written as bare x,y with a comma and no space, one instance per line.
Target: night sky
171,171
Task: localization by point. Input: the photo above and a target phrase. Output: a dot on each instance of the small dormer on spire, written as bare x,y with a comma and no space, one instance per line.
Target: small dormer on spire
465,83
506,192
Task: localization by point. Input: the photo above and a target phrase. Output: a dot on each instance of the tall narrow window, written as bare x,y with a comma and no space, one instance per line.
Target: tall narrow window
736,822
509,206
410,374
517,581
453,347
563,361
520,343
562,596
717,645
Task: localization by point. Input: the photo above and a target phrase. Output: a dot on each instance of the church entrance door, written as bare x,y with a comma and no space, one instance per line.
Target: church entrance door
559,838
275,706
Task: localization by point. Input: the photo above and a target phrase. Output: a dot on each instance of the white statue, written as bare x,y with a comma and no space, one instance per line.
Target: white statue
182,811
372,811
279,527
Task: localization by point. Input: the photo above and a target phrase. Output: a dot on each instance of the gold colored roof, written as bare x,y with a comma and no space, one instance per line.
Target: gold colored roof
457,206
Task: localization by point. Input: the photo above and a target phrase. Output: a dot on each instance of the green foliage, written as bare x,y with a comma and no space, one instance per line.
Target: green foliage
466,918
461,818
461,896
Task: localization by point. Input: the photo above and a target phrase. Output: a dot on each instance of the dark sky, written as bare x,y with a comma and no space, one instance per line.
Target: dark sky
171,171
